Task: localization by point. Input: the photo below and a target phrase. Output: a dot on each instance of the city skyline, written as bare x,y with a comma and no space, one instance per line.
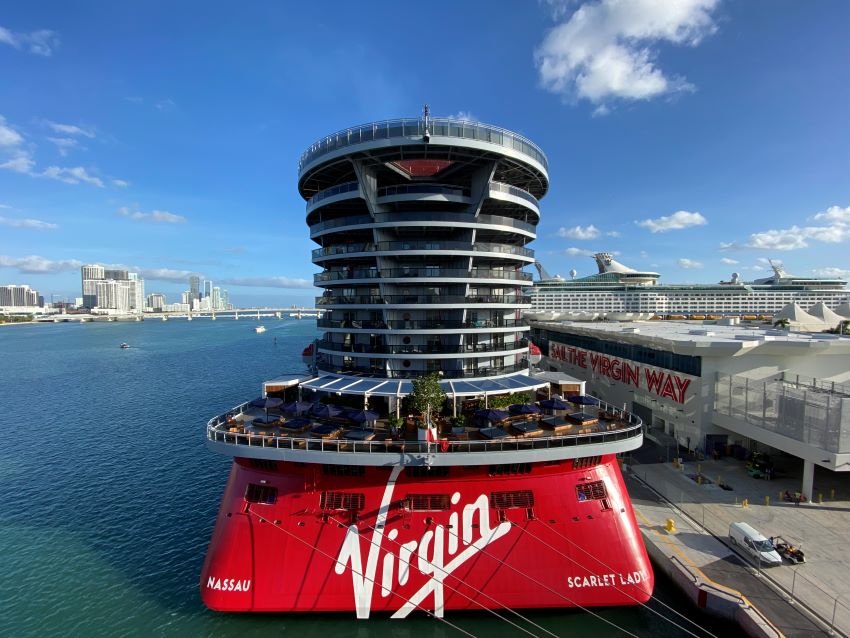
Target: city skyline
692,140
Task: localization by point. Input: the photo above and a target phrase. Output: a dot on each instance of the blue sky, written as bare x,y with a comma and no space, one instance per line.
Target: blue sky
694,138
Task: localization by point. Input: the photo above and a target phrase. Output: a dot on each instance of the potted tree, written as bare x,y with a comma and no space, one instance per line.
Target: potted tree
459,424
395,423
427,397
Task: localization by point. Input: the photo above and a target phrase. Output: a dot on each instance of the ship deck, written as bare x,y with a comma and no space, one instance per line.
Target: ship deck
583,432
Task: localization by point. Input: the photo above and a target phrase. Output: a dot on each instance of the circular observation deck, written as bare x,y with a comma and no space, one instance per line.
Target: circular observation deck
423,241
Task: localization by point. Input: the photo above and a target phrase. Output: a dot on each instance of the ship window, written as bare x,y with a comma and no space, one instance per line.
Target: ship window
344,470
510,500
591,491
586,461
350,501
427,502
510,468
423,471
264,494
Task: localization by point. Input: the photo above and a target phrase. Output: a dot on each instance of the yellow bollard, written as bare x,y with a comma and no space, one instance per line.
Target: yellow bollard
671,526
820,498
832,494
699,468
699,479
767,500
745,502
780,495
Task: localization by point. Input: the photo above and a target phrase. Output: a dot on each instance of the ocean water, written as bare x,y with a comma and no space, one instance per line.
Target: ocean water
109,493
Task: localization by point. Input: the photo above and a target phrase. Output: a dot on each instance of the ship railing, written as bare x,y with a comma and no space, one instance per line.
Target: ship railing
388,129
418,216
631,426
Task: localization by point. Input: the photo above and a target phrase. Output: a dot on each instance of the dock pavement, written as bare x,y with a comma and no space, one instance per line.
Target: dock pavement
807,599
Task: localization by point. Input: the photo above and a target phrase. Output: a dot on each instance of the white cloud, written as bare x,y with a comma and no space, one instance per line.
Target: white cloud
153,216
26,223
678,220
5,206
613,233
798,237
21,163
832,271
34,264
575,252
120,183
165,105
269,282
166,274
728,261
578,232
41,42
73,175
835,214
607,49
466,116
64,144
644,254
70,129
9,137
689,263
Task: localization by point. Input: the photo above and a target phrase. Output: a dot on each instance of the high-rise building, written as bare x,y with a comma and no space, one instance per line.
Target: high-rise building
186,298
225,300
91,274
216,298
195,287
208,286
20,296
126,295
155,301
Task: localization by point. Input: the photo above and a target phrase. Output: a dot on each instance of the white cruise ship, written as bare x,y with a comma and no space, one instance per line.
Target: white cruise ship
618,292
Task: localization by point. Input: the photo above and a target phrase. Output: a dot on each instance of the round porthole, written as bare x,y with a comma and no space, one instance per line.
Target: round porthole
406,316
406,340
406,363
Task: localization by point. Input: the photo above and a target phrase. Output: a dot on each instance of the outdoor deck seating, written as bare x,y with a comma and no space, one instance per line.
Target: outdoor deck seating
583,418
359,435
493,433
555,424
527,429
326,431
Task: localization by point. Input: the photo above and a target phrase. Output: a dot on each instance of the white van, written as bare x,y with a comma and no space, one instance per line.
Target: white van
753,544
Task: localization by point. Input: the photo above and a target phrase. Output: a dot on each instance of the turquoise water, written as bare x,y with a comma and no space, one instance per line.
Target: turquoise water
109,493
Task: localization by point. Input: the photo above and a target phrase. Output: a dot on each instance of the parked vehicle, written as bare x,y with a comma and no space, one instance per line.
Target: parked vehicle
754,544
787,550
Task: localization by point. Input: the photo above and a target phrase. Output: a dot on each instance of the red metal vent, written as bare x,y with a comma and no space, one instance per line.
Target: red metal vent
352,502
512,500
427,502
591,491
586,461
261,494
422,167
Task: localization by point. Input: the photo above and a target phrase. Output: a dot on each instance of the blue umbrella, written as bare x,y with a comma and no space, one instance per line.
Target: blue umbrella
523,408
362,416
325,410
554,404
296,407
493,416
583,399
266,403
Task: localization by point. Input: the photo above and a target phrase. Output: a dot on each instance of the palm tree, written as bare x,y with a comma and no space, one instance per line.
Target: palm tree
782,324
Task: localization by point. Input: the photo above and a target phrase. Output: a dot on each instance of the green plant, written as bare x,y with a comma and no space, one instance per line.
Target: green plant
459,421
504,400
427,395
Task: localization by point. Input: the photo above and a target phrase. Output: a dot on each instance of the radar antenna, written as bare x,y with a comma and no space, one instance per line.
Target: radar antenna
777,268
542,271
426,114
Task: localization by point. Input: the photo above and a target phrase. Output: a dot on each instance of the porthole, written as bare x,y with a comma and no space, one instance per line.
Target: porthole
406,340
406,363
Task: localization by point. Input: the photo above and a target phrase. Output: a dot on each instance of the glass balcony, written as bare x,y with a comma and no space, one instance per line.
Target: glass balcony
336,300
434,271
366,220
396,246
422,348
423,189
418,324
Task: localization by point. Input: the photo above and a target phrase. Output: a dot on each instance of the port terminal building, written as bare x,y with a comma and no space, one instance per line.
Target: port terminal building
716,388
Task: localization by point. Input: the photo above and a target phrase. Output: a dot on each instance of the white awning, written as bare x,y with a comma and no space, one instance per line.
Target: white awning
401,387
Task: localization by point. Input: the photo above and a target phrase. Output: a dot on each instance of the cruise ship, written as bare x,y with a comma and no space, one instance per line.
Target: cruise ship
618,292
423,229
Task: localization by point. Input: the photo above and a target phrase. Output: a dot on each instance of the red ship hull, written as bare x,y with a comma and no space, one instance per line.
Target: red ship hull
311,538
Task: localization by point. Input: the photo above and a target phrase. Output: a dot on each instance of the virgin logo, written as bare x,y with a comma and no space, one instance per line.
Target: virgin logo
437,553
